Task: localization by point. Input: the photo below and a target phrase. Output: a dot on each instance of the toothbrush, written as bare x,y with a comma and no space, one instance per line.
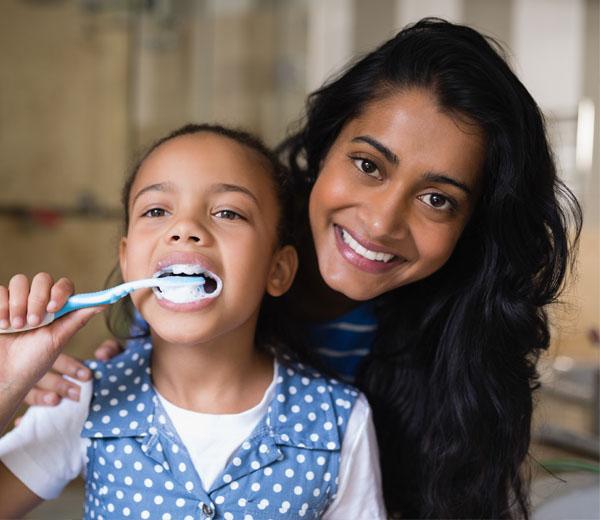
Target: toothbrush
112,295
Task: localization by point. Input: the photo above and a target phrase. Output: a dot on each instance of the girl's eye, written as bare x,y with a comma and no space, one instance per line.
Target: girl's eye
155,212
438,201
228,214
367,167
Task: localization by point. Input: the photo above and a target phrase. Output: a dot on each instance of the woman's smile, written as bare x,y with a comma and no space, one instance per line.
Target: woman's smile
394,194
368,257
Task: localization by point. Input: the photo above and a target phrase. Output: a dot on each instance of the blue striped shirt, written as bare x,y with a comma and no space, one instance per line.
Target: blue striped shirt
344,342
341,343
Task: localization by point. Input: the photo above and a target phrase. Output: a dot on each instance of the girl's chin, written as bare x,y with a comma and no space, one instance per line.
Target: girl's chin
178,334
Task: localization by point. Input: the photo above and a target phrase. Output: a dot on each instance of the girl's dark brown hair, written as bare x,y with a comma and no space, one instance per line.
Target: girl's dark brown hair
274,331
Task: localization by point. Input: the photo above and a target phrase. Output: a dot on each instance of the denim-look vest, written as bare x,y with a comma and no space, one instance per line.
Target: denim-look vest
138,467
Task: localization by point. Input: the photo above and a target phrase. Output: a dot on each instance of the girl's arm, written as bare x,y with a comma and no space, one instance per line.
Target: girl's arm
25,357
16,499
359,492
43,454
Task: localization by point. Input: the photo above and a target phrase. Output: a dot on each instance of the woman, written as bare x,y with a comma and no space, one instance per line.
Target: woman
434,199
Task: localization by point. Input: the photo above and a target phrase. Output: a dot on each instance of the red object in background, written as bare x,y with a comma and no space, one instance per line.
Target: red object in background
46,217
594,336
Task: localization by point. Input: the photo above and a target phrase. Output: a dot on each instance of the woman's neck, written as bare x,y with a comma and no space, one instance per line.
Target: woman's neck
313,299
226,375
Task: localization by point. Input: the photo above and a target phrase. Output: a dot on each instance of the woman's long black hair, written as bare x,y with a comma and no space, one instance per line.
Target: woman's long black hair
452,371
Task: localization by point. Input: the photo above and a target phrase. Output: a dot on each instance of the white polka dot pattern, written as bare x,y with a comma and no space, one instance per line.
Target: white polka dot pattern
139,467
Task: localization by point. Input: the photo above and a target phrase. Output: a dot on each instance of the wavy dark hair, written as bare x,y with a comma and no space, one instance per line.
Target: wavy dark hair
453,368
273,332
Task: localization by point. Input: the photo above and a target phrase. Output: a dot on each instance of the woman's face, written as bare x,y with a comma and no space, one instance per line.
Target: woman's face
394,194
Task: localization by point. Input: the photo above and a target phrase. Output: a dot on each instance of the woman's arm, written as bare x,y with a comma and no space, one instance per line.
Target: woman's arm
53,387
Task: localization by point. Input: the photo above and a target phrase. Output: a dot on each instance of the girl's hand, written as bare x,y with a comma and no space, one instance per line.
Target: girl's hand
52,387
26,356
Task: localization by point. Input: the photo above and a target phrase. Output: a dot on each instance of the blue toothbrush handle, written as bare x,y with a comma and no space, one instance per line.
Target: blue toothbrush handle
105,297
75,302
71,306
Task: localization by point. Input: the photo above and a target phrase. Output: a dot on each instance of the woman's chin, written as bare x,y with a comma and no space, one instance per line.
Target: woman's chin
354,289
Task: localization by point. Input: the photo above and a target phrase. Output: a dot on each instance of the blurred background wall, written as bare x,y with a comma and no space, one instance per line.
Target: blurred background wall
85,84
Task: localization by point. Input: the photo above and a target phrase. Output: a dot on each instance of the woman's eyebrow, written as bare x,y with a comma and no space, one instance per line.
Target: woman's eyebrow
441,178
224,188
161,186
387,153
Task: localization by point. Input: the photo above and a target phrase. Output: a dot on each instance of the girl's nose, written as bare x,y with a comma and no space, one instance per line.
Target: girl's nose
178,238
187,231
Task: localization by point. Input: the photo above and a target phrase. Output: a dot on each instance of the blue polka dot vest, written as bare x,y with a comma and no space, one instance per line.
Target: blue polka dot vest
138,467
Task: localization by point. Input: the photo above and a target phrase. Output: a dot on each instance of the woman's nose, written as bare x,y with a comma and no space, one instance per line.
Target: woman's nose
386,217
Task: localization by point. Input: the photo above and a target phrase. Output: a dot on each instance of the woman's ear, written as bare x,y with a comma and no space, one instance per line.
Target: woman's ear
123,257
283,270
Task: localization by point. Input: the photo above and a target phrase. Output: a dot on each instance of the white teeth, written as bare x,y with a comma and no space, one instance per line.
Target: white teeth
362,251
183,269
187,293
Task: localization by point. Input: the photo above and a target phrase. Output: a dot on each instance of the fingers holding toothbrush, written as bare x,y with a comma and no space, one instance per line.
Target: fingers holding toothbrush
24,304
26,356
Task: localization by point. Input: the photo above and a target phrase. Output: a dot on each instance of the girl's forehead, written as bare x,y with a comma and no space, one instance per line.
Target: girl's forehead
204,157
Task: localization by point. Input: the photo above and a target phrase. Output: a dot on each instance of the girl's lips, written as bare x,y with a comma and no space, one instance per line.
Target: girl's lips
181,257
359,261
185,307
185,258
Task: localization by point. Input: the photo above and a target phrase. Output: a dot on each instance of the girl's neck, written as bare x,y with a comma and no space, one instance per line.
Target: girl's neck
226,375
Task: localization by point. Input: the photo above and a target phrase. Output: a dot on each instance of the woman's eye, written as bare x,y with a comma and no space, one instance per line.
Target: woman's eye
367,167
228,214
438,201
155,212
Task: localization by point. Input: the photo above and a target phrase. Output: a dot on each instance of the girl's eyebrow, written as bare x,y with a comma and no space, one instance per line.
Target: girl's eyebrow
387,153
224,187
161,186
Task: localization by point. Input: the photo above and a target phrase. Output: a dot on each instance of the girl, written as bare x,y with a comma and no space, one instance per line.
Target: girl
439,234
209,417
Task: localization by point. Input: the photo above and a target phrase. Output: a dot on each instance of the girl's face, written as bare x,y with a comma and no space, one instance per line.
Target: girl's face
394,194
209,202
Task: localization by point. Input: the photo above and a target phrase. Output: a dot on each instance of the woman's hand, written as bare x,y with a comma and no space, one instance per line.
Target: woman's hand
52,387
26,356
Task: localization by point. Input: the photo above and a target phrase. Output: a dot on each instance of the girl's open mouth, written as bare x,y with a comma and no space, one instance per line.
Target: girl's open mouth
188,293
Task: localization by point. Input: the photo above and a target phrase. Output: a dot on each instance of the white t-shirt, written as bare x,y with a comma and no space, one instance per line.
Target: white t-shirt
46,450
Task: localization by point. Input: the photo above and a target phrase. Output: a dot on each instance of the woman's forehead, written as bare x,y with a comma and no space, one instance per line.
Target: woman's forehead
413,126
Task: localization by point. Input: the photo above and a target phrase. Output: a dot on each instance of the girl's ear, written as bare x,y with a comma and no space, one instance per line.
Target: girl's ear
123,256
283,270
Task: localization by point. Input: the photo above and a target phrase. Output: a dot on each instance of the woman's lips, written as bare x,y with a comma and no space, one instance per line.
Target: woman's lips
359,261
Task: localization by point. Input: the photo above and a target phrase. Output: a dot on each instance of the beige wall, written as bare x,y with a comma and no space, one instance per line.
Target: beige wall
63,139
82,90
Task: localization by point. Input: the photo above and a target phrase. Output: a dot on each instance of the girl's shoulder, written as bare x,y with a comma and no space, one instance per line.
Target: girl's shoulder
301,378
310,408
